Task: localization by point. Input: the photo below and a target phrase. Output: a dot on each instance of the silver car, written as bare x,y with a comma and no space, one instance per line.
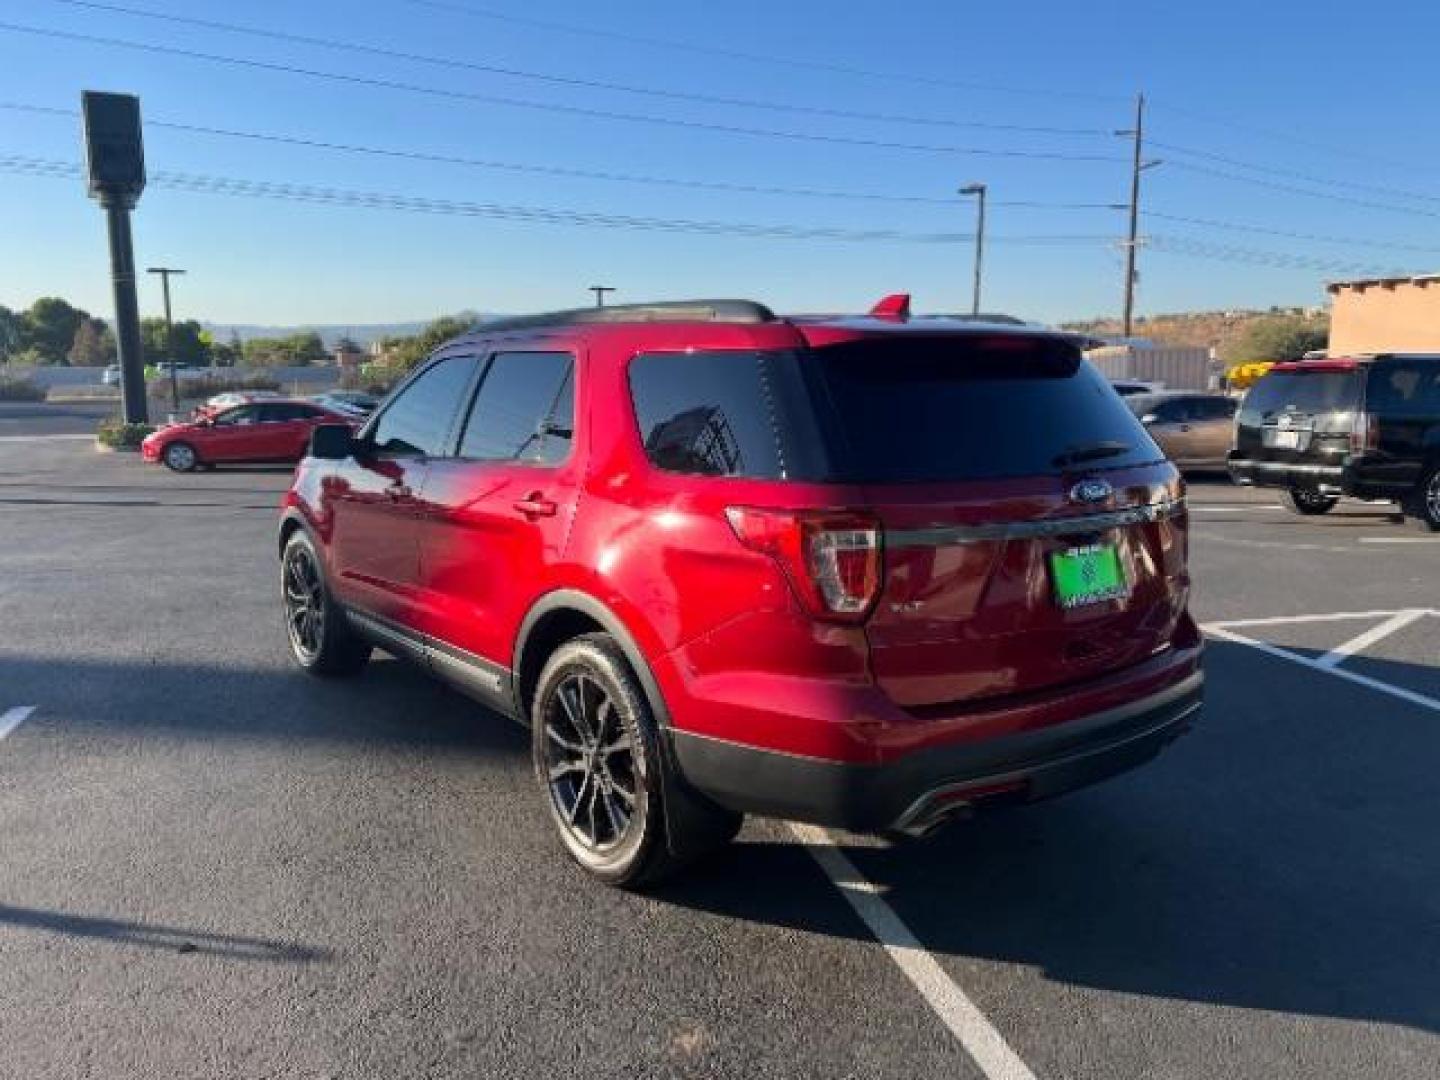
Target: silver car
1195,430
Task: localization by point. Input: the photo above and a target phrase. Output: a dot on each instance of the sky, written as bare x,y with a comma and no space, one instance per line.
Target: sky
1296,141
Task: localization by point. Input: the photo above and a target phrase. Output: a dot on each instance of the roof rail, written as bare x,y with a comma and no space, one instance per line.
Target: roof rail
726,311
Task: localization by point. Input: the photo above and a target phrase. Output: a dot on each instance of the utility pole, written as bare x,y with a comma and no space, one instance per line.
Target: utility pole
600,291
1140,165
978,190
165,272
115,177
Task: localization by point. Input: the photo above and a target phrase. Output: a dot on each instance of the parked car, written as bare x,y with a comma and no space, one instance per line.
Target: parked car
111,376
1365,426
853,571
350,402
257,431
1196,431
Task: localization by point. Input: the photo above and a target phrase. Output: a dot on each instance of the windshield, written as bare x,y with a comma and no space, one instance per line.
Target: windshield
962,408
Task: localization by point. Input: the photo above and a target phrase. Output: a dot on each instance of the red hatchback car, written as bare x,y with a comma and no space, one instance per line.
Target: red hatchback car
255,432
866,572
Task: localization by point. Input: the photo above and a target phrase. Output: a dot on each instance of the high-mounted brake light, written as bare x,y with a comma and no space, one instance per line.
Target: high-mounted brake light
831,559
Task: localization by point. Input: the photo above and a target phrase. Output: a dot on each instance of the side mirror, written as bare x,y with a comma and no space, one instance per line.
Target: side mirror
332,442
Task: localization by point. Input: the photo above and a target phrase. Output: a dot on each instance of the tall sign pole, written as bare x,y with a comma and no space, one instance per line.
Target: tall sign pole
115,177
165,272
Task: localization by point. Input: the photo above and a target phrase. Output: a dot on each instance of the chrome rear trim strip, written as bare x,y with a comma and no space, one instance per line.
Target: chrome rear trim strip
938,535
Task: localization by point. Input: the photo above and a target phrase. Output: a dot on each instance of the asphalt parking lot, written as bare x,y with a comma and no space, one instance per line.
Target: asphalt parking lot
212,865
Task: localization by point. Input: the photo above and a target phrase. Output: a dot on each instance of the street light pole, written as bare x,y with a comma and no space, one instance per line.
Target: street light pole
165,272
600,291
979,191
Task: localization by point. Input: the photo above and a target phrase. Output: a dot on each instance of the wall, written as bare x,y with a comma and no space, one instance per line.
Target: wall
1402,316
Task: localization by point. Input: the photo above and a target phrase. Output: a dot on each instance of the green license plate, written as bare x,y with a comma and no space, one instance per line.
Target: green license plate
1087,575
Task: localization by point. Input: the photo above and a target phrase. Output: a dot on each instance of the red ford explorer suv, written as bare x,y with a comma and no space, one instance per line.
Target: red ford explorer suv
866,572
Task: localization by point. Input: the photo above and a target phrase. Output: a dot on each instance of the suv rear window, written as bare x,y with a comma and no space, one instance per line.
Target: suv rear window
956,408
1300,391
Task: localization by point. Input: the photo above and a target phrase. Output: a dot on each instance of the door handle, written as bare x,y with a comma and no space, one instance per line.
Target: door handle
533,506
1184,427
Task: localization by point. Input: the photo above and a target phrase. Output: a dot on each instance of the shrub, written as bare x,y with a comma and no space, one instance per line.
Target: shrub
378,376
119,435
13,389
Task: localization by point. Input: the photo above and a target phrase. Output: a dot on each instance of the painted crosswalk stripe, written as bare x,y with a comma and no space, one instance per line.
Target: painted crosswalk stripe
11,719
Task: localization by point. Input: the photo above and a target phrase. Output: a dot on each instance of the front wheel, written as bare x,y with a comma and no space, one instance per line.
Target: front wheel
599,763
1424,505
321,638
1309,503
180,456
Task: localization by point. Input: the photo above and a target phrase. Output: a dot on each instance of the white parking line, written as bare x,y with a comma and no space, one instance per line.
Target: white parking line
1411,696
1400,539
1359,642
1331,616
985,1045
11,719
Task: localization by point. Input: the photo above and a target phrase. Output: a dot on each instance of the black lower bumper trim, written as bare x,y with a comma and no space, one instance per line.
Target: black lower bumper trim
869,798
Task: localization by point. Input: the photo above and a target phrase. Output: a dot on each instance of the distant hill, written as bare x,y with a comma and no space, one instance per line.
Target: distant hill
1219,329
361,333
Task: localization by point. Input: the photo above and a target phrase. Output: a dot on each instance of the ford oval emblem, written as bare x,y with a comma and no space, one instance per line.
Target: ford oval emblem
1091,491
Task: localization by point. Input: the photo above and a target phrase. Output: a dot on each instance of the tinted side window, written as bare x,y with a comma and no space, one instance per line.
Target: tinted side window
419,420
1212,408
1409,389
705,413
1174,411
525,410
244,414
283,412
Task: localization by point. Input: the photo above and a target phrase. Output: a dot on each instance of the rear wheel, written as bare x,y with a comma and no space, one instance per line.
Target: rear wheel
1309,502
1424,505
180,456
321,638
599,762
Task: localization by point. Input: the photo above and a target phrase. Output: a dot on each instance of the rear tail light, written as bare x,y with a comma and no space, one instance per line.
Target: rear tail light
1365,435
832,560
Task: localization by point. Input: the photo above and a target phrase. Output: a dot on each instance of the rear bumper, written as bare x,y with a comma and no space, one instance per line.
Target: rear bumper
1363,475
914,789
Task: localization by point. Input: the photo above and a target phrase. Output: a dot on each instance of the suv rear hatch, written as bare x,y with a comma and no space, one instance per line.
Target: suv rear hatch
1034,535
1300,414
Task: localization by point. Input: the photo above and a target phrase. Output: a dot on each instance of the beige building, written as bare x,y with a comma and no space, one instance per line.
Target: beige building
1385,315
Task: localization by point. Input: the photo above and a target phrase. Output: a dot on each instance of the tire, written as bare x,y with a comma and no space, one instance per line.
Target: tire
602,771
1309,503
321,639
180,456
1423,506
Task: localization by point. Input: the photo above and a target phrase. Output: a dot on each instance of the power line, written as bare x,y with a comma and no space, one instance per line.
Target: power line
524,103
1185,246
557,170
1295,175
1292,189
791,61
1233,226
455,63
304,193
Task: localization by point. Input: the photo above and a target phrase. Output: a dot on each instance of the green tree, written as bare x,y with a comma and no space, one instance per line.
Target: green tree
295,350
1281,337
10,331
405,352
94,345
188,346
49,328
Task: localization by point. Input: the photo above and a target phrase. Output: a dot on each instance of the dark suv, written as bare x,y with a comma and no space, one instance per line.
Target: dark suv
867,572
1367,427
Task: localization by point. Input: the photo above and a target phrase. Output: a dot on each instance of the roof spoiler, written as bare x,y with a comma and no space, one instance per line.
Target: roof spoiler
895,307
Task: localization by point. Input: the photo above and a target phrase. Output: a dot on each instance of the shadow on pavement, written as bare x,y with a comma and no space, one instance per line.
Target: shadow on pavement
147,935
1284,857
